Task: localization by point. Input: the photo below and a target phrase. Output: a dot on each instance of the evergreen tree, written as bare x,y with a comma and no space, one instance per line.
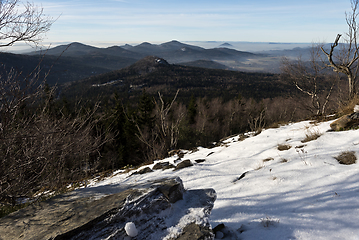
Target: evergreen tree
192,110
145,111
125,144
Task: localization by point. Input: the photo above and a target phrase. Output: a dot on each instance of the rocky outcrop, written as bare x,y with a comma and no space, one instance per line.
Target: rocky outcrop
196,232
143,171
346,122
183,164
163,166
155,208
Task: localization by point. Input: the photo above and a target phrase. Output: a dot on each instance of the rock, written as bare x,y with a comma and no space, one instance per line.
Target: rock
240,177
172,189
58,215
200,160
183,164
219,227
177,152
223,232
219,235
152,207
163,166
143,171
209,154
346,122
196,232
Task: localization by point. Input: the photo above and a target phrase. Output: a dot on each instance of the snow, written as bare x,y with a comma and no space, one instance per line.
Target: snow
130,229
302,193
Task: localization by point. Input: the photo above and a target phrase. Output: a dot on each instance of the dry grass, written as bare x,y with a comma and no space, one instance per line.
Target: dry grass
347,158
283,147
259,166
311,135
348,107
268,222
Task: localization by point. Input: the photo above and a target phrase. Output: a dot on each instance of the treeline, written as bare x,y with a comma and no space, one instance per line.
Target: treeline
154,126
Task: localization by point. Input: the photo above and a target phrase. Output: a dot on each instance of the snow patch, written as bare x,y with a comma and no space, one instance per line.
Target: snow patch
130,229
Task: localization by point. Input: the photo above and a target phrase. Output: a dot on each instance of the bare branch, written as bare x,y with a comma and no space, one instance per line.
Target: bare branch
22,24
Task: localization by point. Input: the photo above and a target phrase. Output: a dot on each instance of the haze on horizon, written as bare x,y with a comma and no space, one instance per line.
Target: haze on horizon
115,22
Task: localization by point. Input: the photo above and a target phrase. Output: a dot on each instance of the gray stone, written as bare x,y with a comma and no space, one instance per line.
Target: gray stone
46,220
183,164
200,160
80,215
172,189
177,152
143,171
196,232
346,122
163,166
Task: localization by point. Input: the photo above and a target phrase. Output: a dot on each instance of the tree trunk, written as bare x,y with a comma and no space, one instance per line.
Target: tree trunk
352,90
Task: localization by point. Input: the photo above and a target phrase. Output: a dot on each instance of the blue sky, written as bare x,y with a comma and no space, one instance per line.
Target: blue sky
128,21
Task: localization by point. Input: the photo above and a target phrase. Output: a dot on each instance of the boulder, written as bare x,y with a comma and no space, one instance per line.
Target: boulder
58,215
163,166
183,164
172,189
143,171
346,122
177,152
200,160
153,207
194,231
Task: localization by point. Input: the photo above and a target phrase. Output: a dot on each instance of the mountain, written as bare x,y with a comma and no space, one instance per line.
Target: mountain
205,64
73,49
156,74
75,61
173,51
60,70
127,46
164,48
227,45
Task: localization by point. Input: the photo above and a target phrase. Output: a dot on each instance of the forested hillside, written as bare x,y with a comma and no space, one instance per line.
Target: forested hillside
156,74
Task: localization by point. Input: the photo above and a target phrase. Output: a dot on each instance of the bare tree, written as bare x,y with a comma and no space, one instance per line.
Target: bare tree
164,136
19,23
22,23
345,60
307,76
19,134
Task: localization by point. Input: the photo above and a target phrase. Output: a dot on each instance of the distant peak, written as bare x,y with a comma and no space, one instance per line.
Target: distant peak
77,44
145,43
226,45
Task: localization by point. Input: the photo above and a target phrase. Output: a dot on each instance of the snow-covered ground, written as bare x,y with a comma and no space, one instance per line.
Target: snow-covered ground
300,193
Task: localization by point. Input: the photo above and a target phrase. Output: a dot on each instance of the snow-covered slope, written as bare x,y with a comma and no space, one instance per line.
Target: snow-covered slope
300,193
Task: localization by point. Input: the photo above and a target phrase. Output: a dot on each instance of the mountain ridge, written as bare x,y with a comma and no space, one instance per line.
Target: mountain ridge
173,51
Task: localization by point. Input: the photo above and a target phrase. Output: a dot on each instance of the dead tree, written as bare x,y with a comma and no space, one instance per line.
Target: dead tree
346,59
307,75
164,136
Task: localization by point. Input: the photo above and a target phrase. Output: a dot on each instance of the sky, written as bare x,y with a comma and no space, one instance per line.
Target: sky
114,22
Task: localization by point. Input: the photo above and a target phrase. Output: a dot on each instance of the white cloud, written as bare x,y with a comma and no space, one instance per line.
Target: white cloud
138,18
